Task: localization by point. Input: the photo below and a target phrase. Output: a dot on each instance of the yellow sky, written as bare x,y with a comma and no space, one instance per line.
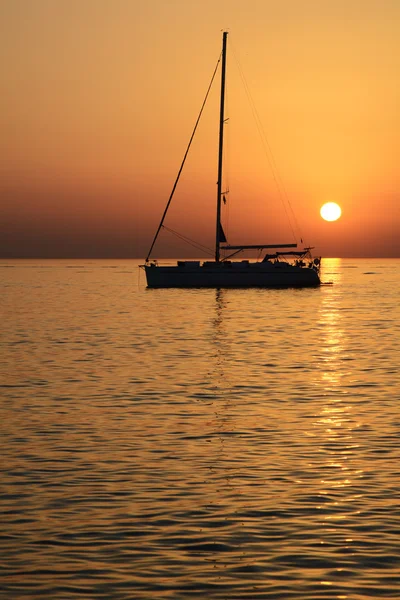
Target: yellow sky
99,99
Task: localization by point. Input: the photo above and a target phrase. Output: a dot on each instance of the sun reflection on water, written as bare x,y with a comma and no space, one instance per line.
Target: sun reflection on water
332,333
334,425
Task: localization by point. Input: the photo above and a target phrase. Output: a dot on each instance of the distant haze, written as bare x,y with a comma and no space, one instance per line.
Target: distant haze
99,100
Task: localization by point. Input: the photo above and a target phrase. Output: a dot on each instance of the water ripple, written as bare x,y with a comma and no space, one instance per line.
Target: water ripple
219,444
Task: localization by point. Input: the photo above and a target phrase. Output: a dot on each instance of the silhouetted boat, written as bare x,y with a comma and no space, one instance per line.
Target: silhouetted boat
282,268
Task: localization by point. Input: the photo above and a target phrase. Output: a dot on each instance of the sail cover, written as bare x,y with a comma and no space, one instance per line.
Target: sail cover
222,237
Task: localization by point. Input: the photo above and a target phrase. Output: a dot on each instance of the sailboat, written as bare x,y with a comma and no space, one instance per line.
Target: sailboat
286,267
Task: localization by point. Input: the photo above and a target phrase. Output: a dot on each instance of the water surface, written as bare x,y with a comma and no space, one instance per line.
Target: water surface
199,443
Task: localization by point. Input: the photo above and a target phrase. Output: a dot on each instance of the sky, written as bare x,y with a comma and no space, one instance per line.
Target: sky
99,99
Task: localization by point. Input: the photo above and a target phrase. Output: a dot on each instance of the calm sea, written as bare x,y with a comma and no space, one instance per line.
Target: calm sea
224,444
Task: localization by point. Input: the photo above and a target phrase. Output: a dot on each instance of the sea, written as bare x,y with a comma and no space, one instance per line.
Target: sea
199,444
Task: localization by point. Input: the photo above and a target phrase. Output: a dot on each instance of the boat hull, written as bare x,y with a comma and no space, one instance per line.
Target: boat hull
281,275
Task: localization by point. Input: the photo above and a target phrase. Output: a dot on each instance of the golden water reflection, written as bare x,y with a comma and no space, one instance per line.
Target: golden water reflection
332,335
334,424
203,443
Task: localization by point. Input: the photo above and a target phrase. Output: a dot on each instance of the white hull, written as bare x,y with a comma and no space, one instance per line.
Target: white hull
241,274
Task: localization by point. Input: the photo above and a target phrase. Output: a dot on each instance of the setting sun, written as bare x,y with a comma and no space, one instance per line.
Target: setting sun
330,211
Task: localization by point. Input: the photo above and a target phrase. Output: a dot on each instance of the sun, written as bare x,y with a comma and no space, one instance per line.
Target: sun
330,211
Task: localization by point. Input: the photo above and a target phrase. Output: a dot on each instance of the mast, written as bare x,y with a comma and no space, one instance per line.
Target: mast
221,146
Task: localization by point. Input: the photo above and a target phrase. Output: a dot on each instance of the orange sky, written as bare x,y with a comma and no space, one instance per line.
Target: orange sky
99,99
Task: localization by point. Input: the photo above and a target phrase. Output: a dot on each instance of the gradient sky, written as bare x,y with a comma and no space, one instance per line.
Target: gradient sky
99,98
